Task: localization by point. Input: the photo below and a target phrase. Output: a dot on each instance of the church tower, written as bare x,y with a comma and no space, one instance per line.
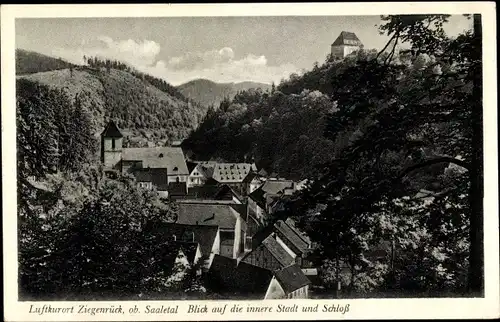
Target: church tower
111,146
345,44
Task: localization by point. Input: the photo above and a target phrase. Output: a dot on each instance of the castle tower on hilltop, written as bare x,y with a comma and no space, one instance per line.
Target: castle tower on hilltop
111,146
345,44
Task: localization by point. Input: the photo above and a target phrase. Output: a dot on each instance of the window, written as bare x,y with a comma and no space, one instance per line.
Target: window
113,143
161,155
176,169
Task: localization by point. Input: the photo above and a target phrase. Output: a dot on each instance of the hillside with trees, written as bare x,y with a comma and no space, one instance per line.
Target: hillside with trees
83,235
391,144
149,110
210,93
30,62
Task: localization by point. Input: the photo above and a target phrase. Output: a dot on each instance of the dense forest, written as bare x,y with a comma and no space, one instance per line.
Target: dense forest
390,142
30,62
210,93
149,110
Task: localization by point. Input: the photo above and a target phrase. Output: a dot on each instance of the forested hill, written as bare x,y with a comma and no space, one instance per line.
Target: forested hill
29,62
146,108
210,93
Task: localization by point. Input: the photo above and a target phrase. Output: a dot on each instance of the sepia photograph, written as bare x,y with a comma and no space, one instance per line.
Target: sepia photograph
241,158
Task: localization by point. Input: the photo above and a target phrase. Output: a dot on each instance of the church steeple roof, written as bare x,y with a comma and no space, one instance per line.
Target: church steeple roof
347,38
111,131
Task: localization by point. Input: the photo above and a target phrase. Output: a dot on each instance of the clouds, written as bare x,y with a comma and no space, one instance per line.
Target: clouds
220,65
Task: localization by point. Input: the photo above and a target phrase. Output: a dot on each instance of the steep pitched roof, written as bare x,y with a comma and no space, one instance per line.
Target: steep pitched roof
227,275
291,223
111,131
191,166
273,186
347,38
170,158
232,172
277,251
291,278
189,249
291,236
143,175
205,213
177,189
203,235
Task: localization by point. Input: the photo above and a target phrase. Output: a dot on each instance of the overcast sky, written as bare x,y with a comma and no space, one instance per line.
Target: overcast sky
222,49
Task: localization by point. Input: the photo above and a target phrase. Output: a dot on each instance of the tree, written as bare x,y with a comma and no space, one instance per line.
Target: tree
401,119
102,245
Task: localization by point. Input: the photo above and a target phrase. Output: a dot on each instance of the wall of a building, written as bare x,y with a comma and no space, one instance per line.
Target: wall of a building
274,291
111,156
261,257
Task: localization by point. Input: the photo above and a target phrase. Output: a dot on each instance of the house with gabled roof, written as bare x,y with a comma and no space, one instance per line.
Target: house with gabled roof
153,166
288,282
264,201
345,44
234,279
229,217
270,255
206,236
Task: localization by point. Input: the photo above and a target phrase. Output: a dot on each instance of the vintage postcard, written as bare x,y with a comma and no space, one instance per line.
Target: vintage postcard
303,161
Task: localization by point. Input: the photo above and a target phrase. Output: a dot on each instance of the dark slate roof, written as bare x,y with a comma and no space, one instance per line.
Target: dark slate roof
206,213
170,158
226,192
291,223
177,189
227,275
143,175
232,172
273,186
111,131
291,278
262,234
270,190
189,249
291,236
278,251
347,38
191,165
202,235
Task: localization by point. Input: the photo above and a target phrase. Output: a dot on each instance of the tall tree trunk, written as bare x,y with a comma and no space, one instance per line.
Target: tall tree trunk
475,283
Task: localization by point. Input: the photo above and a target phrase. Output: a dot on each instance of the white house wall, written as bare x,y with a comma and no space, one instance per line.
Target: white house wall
274,291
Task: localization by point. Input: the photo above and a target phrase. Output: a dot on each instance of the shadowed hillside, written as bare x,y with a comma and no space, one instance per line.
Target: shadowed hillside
29,62
144,111
209,93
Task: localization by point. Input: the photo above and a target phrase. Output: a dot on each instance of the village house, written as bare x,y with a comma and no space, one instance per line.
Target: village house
238,176
264,200
185,256
153,167
207,237
279,245
345,44
288,283
228,216
239,279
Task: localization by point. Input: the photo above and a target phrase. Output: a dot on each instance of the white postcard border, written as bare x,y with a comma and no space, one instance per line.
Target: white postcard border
486,307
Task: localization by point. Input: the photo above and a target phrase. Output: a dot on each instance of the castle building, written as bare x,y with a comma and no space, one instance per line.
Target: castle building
157,166
345,44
